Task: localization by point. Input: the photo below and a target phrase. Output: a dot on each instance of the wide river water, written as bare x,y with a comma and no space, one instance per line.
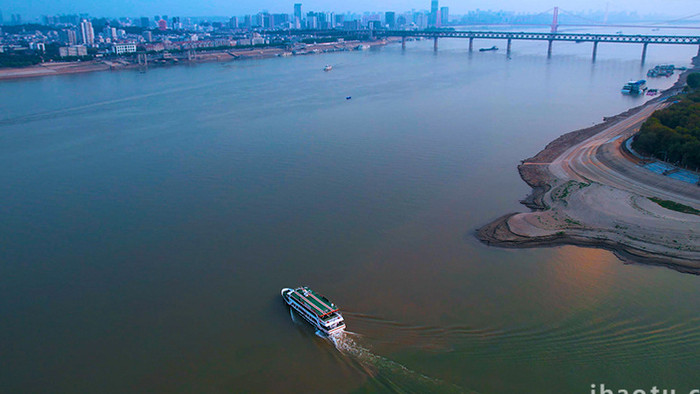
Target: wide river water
149,221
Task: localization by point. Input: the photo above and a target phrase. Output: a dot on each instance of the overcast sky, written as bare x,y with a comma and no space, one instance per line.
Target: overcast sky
34,8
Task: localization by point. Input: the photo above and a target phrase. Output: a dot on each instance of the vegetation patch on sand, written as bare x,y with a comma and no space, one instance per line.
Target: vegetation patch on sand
674,206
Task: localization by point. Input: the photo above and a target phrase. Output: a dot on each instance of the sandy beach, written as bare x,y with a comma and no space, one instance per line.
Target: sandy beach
588,191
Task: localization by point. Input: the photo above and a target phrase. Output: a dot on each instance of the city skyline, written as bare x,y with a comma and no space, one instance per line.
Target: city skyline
32,9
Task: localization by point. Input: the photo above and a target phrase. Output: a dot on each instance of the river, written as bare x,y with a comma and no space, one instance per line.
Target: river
149,221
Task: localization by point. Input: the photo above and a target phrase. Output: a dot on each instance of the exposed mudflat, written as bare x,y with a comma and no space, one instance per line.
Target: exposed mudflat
586,192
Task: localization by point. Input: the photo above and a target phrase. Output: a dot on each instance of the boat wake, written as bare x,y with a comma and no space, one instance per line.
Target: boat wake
386,373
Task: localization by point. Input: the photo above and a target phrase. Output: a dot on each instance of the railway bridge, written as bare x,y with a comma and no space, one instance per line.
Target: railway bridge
509,37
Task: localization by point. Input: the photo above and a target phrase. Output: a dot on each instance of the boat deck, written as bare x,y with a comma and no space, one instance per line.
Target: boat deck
315,302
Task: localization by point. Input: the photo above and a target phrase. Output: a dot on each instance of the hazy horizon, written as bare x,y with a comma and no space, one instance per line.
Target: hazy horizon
30,9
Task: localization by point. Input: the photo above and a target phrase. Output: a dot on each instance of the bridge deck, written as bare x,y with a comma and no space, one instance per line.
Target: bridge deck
612,38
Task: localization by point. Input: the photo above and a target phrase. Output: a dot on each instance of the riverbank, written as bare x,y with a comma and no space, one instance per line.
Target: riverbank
587,192
65,68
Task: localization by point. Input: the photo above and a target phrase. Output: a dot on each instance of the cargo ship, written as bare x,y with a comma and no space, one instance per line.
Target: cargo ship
634,87
315,308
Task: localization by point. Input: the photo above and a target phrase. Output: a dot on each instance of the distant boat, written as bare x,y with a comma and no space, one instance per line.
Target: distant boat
328,67
493,48
348,98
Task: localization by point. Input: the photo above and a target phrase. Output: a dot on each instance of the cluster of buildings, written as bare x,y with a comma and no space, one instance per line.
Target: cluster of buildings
80,35
314,20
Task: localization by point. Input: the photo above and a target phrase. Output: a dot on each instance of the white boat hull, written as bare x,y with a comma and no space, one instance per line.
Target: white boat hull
313,320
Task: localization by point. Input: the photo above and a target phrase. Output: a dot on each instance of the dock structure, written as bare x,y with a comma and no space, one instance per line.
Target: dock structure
595,39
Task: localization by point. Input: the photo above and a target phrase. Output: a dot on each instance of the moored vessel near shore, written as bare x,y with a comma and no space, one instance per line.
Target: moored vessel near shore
634,87
664,70
315,308
493,48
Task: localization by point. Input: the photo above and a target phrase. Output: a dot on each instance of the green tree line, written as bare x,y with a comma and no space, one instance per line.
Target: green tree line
673,134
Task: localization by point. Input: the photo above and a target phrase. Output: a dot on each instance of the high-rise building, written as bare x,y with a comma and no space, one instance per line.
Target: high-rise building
148,36
311,21
87,34
433,18
374,25
248,22
259,20
162,25
297,11
233,22
444,16
1,19
69,36
390,19
401,20
421,19
145,22
281,20
109,32
352,25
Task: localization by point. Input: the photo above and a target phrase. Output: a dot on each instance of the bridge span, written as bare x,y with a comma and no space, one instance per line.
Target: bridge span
644,40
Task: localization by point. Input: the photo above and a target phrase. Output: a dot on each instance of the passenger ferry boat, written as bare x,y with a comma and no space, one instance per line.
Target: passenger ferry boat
315,308
634,87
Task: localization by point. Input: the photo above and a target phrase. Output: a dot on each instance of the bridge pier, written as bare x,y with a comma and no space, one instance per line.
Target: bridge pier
549,48
644,52
698,50
508,48
595,50
471,45
403,42
435,44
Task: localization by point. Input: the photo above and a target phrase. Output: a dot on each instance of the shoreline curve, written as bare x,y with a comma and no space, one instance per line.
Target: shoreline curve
566,228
